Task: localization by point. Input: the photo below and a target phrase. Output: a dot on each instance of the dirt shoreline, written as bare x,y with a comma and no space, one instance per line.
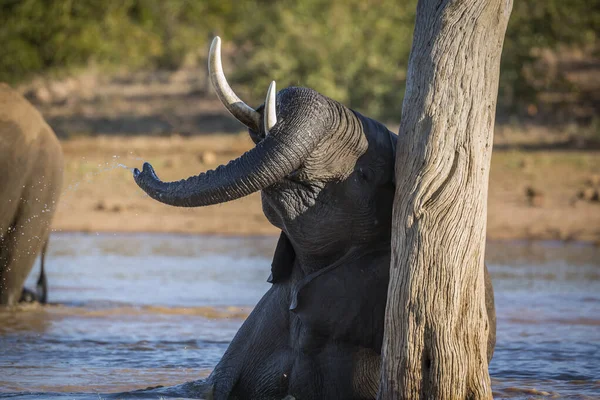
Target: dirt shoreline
533,195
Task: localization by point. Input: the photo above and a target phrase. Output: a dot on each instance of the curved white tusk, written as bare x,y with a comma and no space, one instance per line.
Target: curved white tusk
270,110
240,110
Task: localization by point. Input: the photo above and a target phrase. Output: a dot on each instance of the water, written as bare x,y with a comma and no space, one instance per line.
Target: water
132,311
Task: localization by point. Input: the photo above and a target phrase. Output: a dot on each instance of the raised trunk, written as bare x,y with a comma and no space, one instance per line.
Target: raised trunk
436,326
270,161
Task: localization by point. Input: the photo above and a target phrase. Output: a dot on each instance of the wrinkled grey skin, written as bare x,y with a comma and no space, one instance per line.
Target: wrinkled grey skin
326,176
31,164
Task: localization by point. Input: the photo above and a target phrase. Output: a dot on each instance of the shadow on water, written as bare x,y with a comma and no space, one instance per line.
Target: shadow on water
130,312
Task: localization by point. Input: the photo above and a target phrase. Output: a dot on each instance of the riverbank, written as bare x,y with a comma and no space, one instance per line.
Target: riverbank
542,193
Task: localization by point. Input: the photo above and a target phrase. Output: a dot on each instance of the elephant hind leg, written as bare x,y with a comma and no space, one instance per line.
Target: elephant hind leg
42,283
19,249
41,293
27,296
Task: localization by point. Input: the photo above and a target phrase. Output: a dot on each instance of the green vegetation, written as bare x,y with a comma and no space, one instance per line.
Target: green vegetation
355,51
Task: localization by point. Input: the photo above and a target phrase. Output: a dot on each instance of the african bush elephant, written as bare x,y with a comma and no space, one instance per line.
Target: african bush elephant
326,175
31,162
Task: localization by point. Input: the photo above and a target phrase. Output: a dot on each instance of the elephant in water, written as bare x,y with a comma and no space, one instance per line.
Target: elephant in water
31,162
326,176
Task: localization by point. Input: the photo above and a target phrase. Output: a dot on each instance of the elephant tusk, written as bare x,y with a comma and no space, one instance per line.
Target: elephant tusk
270,110
240,110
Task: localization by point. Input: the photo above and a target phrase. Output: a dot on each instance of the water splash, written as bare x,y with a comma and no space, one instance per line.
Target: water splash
107,166
125,167
67,196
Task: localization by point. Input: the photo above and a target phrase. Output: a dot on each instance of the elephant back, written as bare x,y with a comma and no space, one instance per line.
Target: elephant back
19,119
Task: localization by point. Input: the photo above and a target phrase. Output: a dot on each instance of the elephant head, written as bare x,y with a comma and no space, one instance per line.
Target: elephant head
325,171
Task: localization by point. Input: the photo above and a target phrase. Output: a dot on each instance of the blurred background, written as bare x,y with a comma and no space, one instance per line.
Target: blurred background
80,52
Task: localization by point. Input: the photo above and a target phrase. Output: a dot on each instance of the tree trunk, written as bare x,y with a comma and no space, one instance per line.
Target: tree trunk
436,328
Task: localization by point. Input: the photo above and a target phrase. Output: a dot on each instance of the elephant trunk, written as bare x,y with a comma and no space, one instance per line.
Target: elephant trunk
270,161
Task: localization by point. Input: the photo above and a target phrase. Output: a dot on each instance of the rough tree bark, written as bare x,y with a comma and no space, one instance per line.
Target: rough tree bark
436,327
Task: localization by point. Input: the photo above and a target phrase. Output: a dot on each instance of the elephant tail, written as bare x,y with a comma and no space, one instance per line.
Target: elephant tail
42,283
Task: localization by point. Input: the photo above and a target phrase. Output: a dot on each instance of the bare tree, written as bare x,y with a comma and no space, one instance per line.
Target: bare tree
436,327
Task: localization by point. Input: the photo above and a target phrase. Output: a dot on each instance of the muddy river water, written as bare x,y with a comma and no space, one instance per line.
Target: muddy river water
132,311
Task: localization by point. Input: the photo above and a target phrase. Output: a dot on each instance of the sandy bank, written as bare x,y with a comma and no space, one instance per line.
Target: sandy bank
533,194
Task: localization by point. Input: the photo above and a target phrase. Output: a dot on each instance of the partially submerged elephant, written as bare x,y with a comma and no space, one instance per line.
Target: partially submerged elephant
31,167
325,173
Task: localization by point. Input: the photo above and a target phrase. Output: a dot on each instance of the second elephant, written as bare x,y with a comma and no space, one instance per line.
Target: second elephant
31,168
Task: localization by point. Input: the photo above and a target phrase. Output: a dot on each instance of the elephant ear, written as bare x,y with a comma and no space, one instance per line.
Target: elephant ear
283,260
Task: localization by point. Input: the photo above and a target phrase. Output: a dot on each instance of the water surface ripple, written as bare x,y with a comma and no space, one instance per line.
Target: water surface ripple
132,311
